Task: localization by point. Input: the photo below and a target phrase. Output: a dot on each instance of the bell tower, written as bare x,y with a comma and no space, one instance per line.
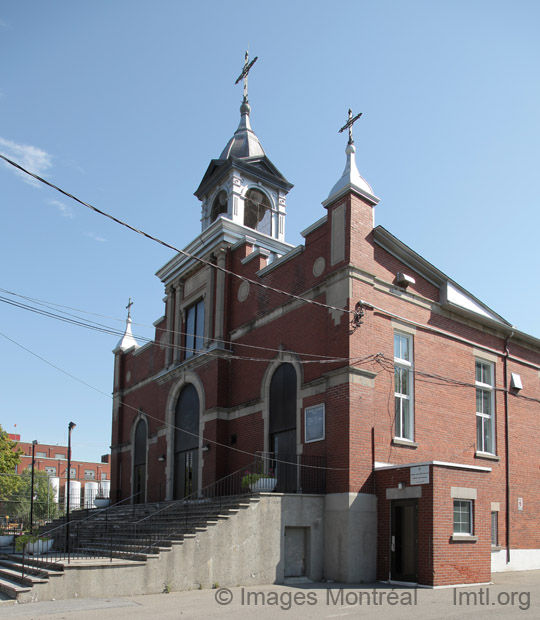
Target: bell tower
243,185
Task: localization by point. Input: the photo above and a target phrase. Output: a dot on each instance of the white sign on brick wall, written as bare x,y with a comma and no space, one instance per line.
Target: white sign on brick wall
420,474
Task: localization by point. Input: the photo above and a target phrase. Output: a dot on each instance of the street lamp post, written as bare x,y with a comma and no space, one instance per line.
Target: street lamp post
71,426
32,486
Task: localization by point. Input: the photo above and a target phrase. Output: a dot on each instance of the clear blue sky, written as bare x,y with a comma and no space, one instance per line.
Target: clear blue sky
124,103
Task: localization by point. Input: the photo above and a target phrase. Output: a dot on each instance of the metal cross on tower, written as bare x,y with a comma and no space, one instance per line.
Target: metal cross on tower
244,74
348,125
130,303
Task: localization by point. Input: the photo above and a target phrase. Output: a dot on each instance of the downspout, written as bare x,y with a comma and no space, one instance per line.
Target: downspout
507,445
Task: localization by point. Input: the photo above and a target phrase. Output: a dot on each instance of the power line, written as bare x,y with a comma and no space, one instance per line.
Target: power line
172,247
164,422
80,322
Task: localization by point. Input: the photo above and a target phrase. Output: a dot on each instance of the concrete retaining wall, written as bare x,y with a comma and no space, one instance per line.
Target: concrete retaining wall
247,548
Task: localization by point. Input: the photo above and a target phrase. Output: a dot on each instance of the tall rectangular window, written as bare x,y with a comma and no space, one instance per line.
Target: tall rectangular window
403,386
485,409
194,328
494,529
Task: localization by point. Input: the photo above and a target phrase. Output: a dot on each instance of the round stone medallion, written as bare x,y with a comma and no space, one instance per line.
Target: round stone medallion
243,291
319,266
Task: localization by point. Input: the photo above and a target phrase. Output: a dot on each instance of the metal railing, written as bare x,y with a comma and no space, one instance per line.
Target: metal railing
295,473
132,531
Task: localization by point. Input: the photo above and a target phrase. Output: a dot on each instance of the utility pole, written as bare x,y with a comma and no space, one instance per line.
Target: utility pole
32,487
71,426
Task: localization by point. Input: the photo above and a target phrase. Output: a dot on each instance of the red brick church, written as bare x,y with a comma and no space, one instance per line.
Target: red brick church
397,409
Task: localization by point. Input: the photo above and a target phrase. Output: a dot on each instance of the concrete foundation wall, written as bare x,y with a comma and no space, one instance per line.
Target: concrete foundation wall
350,537
247,548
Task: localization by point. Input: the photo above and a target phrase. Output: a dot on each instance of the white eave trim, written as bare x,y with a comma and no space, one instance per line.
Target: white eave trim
286,257
380,466
221,231
314,226
350,187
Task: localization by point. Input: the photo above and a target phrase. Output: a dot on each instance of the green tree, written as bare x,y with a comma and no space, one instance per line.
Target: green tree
9,459
45,507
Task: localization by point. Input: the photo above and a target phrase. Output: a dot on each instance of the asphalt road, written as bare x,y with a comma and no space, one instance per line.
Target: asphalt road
512,595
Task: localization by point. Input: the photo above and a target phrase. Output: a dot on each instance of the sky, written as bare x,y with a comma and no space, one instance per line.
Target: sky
123,103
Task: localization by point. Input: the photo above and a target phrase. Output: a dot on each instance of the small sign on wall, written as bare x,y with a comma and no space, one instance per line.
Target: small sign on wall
420,474
314,430
520,503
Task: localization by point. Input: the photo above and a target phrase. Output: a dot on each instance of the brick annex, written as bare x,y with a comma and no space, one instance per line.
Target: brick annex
373,382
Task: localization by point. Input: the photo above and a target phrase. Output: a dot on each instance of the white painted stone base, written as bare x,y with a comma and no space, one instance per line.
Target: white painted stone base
520,559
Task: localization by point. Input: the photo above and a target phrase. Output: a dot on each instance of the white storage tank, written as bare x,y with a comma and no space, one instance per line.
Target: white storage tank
55,484
90,492
105,486
75,495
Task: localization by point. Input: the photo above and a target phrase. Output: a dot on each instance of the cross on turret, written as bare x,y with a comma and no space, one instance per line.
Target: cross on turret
130,303
244,74
348,125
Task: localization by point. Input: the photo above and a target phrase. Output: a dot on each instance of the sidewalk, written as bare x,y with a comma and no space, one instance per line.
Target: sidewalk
512,595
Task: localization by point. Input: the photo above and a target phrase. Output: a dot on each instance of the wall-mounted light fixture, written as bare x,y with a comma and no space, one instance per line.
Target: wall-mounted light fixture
515,381
404,280
206,448
401,485
162,458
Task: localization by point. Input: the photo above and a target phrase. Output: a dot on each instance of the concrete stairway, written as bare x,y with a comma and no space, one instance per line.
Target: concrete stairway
114,539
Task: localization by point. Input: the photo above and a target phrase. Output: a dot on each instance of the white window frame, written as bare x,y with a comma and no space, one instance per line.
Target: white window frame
469,504
402,364
89,474
311,413
484,419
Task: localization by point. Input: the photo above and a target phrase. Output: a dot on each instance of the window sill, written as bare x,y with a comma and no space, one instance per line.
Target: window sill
486,455
397,441
464,538
496,548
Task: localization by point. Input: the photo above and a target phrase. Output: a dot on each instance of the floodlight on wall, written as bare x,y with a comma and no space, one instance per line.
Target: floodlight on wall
404,280
162,458
206,448
515,381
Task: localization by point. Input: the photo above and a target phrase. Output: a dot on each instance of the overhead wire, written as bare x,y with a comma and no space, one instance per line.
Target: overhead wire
172,247
80,322
164,422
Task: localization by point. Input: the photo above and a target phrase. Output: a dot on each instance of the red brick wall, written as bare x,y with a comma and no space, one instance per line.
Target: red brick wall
359,417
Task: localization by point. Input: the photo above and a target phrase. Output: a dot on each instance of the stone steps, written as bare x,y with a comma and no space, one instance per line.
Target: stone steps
125,536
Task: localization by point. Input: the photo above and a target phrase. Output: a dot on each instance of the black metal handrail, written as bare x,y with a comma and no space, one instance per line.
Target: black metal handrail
295,473
110,532
40,546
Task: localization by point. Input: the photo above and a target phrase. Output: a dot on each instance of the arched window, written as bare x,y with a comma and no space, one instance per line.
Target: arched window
219,205
258,211
283,426
186,442
139,462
